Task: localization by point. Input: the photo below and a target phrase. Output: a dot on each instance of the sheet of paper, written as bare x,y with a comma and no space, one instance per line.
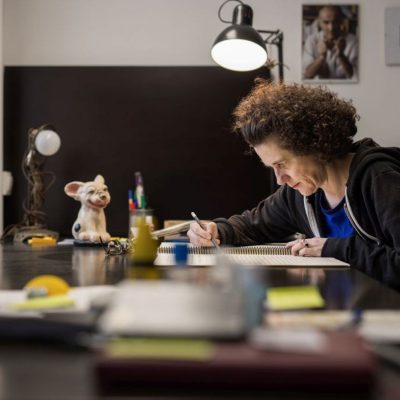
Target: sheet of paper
284,260
289,340
381,326
324,319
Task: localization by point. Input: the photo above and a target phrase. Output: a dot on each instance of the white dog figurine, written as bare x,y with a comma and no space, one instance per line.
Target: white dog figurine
91,222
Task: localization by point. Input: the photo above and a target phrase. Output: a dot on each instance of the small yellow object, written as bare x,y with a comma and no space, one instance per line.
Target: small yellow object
45,303
145,250
53,284
46,240
294,297
161,348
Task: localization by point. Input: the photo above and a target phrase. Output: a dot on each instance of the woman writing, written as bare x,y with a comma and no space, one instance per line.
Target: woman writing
343,196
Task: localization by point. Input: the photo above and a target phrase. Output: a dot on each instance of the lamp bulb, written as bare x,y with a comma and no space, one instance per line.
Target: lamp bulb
47,142
239,54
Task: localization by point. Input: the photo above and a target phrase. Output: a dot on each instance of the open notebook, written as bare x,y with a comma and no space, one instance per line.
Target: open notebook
276,255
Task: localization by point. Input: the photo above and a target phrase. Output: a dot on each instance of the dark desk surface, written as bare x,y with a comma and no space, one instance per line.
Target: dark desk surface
30,371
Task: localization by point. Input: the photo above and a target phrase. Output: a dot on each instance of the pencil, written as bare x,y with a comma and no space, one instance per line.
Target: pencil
213,241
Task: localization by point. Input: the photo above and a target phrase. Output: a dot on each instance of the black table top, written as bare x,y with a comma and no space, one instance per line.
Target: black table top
86,266
30,371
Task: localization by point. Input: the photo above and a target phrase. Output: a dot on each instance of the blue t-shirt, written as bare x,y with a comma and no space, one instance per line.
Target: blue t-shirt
336,223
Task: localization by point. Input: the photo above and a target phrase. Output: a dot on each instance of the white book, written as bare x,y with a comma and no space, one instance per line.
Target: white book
275,255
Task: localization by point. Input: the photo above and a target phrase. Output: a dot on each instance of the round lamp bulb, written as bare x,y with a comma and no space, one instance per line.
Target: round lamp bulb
47,142
239,54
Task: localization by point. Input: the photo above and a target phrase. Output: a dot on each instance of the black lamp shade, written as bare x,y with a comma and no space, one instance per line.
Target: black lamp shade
239,48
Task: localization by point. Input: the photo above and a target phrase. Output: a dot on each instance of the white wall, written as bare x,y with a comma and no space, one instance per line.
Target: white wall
180,32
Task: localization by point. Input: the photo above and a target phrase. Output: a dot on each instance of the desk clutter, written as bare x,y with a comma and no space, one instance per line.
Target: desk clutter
173,327
227,330
220,327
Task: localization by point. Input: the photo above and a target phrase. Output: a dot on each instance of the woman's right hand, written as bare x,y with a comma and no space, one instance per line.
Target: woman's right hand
202,237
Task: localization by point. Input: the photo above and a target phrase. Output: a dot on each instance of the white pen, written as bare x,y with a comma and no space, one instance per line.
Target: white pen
203,227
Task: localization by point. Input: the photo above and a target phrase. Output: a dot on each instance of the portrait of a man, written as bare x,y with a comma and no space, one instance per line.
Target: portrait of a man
330,43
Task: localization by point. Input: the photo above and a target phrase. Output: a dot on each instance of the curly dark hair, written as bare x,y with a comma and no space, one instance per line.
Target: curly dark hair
304,120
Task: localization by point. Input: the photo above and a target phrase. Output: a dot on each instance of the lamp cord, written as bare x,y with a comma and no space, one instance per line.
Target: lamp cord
220,9
31,168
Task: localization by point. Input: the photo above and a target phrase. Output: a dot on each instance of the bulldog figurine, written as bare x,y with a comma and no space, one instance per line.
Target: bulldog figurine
91,222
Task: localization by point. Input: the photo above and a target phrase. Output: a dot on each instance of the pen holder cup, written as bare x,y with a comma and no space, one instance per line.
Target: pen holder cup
140,216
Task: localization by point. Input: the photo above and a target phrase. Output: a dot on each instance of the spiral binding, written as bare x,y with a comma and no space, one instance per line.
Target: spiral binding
168,248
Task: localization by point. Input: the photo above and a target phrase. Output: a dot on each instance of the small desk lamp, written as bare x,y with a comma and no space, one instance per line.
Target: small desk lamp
42,142
240,47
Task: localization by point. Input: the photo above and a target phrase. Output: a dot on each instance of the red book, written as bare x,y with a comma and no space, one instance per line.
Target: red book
345,366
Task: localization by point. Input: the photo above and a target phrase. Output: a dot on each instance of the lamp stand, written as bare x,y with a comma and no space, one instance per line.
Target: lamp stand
276,38
33,223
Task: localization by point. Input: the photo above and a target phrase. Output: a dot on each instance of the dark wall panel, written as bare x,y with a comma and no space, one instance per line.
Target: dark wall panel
170,123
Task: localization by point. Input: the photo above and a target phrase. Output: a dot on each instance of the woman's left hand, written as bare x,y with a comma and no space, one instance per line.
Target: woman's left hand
307,247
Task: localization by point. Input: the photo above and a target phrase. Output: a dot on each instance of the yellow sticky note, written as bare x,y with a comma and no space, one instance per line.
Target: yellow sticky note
44,303
161,348
294,297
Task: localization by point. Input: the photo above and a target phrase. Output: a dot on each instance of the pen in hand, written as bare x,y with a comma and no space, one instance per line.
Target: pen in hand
213,241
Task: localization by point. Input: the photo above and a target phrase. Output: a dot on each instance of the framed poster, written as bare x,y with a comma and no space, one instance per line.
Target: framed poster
330,43
392,36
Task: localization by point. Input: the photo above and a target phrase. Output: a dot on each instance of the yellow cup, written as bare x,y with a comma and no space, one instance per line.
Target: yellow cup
137,217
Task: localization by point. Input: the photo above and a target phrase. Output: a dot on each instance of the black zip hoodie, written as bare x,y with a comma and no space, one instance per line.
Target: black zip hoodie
372,205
